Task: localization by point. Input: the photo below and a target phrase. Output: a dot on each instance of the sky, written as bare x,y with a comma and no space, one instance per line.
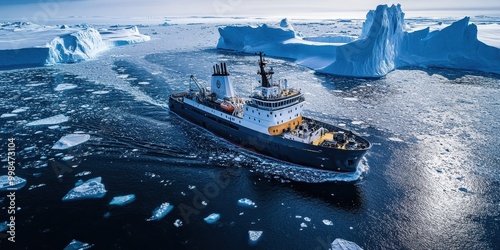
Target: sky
45,9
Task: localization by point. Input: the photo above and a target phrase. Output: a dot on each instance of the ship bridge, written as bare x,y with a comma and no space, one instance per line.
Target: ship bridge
272,105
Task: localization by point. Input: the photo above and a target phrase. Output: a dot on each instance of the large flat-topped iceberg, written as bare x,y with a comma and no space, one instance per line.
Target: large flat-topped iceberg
24,44
384,45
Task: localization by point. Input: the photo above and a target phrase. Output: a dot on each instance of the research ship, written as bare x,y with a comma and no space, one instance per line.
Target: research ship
270,121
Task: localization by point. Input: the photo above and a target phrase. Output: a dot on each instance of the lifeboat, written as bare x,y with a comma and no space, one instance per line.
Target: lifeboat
227,106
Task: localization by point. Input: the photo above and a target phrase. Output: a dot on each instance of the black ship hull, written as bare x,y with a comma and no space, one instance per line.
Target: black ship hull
325,158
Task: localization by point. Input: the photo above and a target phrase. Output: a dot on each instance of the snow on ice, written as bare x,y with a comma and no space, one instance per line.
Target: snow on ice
161,211
38,45
383,46
92,188
49,120
15,183
71,140
341,244
212,218
122,200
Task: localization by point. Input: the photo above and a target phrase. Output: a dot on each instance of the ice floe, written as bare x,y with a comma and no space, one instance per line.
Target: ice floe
395,139
49,120
7,115
161,211
64,86
245,202
328,222
92,188
178,223
78,245
212,218
11,182
341,244
122,200
254,236
71,140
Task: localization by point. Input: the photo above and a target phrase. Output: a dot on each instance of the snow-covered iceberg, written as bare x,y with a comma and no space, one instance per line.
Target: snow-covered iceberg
25,44
71,140
122,200
14,183
161,211
341,244
92,188
384,45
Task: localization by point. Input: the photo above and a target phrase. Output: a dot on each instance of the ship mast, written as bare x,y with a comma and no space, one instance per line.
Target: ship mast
262,72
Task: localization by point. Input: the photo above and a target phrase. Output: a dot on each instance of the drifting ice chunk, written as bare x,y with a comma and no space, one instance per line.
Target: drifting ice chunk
15,183
92,188
211,219
49,121
341,244
122,200
178,223
161,211
254,236
3,226
7,115
328,222
245,202
78,245
65,86
71,140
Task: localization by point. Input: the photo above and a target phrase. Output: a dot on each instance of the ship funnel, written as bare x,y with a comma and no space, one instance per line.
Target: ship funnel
220,85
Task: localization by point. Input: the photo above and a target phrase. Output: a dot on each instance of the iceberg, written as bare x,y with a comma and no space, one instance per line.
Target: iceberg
254,236
122,200
212,218
161,211
341,244
245,202
14,183
384,45
49,120
92,188
26,44
78,245
70,140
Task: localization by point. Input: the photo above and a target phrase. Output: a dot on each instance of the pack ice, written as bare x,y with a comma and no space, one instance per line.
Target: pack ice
71,140
26,44
92,188
383,46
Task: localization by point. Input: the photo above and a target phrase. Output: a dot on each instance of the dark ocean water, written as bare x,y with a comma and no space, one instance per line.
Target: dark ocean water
431,180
